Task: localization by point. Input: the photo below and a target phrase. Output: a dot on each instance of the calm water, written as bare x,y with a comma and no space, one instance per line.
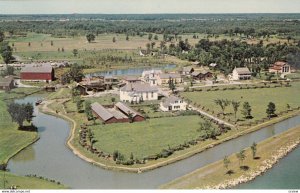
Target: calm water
49,157
130,71
284,175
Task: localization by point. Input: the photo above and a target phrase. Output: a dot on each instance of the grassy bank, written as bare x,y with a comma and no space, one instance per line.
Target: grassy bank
22,182
258,99
215,175
13,140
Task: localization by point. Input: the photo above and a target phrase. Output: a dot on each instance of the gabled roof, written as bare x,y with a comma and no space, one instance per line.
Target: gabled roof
138,87
101,111
126,109
170,100
170,75
6,81
37,68
187,69
243,70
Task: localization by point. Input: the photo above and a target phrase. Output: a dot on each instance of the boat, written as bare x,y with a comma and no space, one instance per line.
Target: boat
38,102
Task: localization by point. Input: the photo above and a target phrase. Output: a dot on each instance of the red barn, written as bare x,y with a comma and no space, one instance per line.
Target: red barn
37,72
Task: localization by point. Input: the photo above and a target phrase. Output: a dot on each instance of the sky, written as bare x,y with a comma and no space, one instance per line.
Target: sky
147,6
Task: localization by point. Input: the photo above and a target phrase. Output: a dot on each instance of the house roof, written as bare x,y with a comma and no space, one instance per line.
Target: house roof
117,114
6,81
213,64
131,78
126,109
37,68
187,69
139,87
170,100
101,111
153,71
170,75
280,63
243,70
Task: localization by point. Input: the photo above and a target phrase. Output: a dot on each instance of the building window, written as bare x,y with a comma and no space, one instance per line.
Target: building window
151,94
146,95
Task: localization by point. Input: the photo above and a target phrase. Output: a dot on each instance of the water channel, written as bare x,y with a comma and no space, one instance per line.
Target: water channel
51,158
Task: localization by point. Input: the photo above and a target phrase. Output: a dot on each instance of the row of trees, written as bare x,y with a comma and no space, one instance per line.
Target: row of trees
246,110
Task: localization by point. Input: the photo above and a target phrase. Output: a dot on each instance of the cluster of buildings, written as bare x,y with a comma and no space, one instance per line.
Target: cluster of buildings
118,113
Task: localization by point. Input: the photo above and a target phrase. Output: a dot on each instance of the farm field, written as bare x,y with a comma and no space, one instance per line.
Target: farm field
148,137
257,98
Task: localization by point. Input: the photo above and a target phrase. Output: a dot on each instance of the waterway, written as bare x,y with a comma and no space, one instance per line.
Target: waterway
51,158
130,71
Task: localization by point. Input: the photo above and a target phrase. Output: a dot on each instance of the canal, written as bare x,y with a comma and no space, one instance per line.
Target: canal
51,158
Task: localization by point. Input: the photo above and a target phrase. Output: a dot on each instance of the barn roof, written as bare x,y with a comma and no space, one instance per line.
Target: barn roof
101,111
126,109
37,68
244,70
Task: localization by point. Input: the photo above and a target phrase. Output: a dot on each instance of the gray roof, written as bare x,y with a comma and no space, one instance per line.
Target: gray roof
131,78
125,109
170,100
187,69
6,81
139,87
101,111
244,70
171,75
117,114
37,68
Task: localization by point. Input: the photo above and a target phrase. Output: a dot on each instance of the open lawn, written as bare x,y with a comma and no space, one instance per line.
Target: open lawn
27,182
257,98
11,139
148,137
18,92
215,173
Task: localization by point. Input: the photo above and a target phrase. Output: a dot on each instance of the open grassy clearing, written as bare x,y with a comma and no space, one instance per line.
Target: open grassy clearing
27,182
146,138
18,93
257,98
215,173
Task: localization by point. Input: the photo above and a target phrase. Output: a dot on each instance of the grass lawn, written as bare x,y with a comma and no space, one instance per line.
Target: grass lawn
215,173
18,92
62,93
27,182
257,98
105,99
146,138
11,139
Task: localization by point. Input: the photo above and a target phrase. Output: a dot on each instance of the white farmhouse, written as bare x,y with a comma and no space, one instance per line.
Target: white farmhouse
173,103
241,74
150,76
138,92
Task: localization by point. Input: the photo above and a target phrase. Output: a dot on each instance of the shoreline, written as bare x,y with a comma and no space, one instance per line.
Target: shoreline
268,164
45,109
262,166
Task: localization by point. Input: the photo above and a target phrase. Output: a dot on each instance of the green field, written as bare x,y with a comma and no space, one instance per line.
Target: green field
13,140
148,137
27,182
257,98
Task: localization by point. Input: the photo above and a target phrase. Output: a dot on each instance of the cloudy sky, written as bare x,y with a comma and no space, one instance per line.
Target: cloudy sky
148,6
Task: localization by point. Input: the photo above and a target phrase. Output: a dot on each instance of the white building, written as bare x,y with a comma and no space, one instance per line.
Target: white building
165,78
173,103
241,74
137,92
150,76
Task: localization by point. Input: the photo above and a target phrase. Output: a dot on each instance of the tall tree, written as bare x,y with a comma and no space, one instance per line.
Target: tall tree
271,110
246,111
254,149
226,162
241,157
88,110
90,37
76,73
235,106
1,36
6,52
